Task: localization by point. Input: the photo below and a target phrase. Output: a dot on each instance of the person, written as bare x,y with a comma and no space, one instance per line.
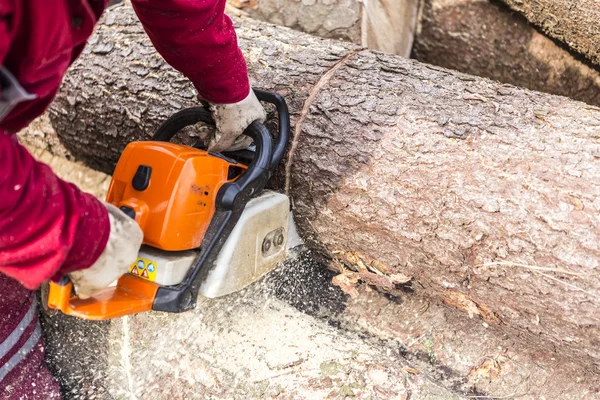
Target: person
48,227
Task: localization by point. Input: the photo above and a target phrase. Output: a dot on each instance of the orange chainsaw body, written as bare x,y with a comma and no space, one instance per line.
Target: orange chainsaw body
170,190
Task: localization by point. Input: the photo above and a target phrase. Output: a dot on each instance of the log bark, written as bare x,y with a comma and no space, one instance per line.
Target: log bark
385,25
573,23
490,40
486,194
337,19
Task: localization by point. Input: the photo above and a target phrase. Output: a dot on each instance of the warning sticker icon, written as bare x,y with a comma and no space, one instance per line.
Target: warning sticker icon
137,267
143,268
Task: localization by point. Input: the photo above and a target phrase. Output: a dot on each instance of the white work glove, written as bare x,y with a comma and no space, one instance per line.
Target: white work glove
232,120
121,251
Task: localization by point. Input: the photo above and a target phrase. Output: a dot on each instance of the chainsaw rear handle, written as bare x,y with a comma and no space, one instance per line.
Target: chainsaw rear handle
191,116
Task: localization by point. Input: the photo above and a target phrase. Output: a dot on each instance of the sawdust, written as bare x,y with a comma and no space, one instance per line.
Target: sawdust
252,346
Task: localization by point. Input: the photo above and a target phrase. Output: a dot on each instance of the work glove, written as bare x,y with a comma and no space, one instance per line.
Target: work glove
121,251
231,121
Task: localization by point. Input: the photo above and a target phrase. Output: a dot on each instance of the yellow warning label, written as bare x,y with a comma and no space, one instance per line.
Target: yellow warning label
144,269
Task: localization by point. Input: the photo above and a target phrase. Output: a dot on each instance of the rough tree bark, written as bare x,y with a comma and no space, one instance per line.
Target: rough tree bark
486,194
477,37
486,39
385,25
574,23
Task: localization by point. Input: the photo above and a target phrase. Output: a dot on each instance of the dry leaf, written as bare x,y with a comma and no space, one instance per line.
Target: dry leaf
370,271
487,370
576,202
400,279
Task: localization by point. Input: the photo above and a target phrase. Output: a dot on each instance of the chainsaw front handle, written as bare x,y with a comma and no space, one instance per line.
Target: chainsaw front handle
192,115
283,116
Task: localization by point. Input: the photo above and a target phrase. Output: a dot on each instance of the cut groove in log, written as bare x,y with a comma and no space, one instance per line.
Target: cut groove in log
437,174
322,82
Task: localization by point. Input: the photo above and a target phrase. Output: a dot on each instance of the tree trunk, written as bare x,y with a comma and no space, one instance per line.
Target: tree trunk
385,25
573,23
490,40
486,194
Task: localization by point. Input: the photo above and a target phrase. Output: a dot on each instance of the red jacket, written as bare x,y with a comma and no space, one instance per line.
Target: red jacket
47,226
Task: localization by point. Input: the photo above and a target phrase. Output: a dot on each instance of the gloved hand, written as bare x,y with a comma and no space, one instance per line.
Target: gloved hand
121,251
231,120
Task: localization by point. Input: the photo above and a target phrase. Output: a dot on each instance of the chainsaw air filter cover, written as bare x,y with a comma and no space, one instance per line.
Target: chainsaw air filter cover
170,190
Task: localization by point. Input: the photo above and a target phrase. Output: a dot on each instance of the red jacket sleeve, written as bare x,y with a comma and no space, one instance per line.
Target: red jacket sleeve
197,38
47,226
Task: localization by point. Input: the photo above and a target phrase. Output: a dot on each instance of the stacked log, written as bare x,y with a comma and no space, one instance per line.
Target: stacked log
487,39
385,25
572,23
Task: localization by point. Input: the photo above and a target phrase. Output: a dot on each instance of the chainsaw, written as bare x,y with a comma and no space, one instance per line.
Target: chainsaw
209,226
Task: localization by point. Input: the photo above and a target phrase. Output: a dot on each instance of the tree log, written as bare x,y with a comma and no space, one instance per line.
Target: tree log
490,40
573,23
385,25
486,194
